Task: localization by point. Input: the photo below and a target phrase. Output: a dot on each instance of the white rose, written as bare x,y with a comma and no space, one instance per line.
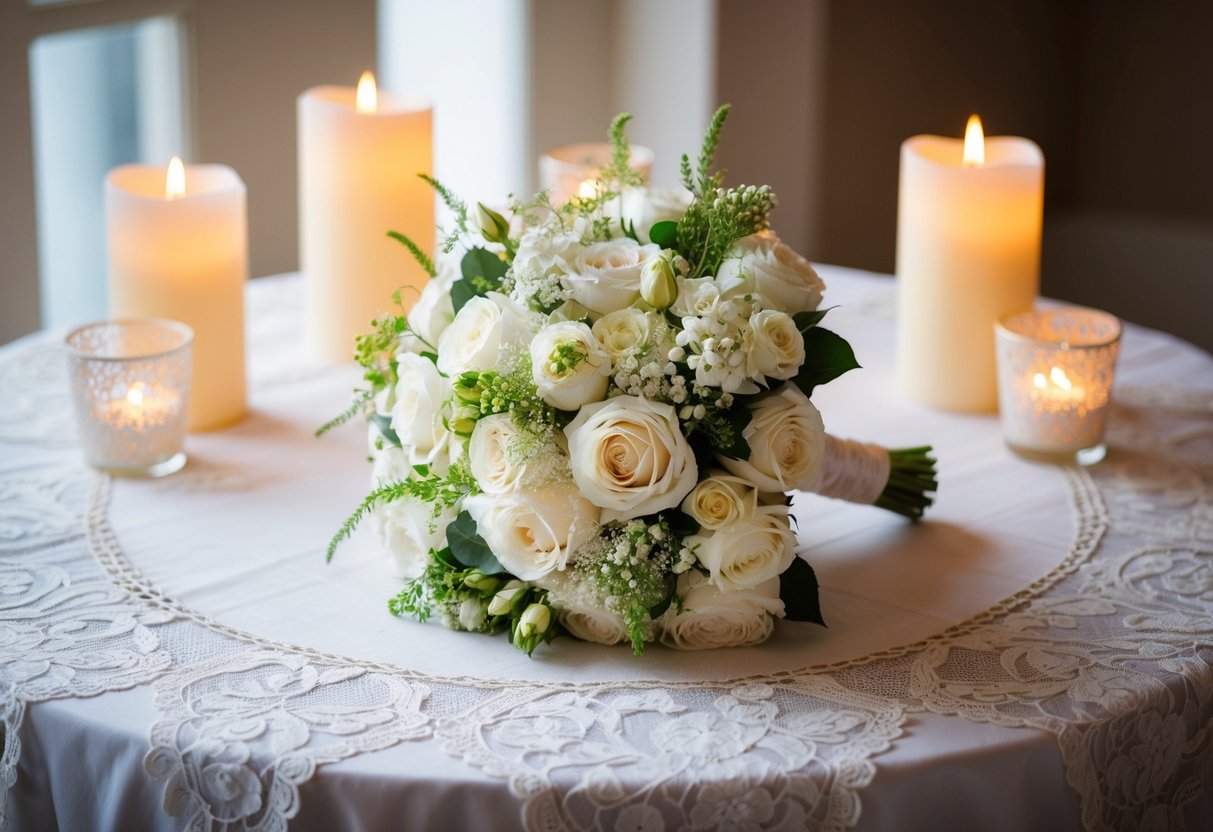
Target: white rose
544,250
749,552
534,532
787,442
774,346
771,269
483,327
645,207
433,312
711,619
721,500
606,276
598,626
568,365
417,413
629,456
493,454
722,297
623,332
408,530
388,462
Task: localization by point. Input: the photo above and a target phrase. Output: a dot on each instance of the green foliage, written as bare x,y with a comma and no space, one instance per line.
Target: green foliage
482,272
722,432
383,422
826,357
439,491
799,593
358,406
705,182
469,548
456,205
664,234
420,256
620,169
912,482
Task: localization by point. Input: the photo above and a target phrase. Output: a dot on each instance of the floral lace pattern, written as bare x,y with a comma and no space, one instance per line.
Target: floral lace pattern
1112,653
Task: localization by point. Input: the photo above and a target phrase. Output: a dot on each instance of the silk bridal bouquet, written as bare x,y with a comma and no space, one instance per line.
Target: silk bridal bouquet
590,419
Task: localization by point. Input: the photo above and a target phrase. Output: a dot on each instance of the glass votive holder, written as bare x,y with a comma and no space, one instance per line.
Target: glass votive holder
1055,369
130,384
573,169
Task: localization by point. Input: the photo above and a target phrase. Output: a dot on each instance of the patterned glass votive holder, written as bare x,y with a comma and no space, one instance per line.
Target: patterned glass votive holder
1055,369
573,169
130,383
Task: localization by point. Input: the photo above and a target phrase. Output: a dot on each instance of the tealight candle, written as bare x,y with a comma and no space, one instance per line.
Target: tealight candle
130,384
573,169
1055,370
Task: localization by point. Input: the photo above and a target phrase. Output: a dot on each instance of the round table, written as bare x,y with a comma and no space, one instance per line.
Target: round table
176,653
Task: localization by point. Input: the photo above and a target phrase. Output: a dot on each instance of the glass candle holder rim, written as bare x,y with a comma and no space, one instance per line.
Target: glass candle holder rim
185,332
1004,330
575,155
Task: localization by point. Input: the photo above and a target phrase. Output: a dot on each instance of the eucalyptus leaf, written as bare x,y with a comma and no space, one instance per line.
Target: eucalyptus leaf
664,233
461,292
469,548
798,591
826,357
482,264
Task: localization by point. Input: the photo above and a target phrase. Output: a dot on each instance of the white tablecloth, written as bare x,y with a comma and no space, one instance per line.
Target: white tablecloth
1036,656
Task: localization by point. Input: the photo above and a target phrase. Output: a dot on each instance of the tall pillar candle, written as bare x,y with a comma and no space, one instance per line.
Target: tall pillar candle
359,156
178,249
968,251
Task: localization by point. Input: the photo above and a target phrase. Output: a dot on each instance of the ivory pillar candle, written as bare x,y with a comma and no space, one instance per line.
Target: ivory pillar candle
359,156
968,252
573,169
178,249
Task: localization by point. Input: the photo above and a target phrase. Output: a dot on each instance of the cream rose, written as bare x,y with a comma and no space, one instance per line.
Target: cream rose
711,619
544,251
598,626
721,500
629,457
773,346
748,552
480,330
606,276
770,269
493,454
568,365
408,530
623,332
417,413
433,312
787,442
534,532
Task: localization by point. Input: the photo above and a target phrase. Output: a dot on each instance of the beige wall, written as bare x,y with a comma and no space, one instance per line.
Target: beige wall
248,62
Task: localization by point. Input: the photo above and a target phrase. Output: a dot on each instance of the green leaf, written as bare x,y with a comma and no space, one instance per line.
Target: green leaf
383,421
482,264
681,523
826,357
656,611
461,292
420,256
807,320
469,548
739,419
446,559
664,233
798,591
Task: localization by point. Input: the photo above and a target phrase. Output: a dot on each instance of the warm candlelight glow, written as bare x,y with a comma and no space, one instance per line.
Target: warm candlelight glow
1039,381
174,180
1059,378
135,394
975,143
588,189
367,97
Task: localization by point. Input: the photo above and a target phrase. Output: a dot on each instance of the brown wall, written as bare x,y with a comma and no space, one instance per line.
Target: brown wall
1101,86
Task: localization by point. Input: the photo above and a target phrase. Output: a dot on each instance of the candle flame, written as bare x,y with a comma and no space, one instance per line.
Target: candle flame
174,179
366,100
1039,381
1059,378
975,143
588,189
135,394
